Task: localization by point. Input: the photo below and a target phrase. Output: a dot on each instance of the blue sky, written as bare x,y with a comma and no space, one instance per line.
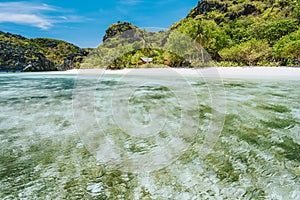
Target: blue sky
83,22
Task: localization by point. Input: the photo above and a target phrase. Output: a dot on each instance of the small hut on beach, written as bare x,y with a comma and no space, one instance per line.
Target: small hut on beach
147,60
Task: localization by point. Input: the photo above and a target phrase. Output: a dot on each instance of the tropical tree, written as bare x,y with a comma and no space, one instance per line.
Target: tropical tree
249,52
288,47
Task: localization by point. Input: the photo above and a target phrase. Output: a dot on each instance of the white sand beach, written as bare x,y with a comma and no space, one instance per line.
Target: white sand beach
223,72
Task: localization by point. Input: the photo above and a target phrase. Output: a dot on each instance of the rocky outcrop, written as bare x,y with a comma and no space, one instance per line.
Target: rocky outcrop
248,10
15,56
73,61
22,54
40,64
204,7
118,28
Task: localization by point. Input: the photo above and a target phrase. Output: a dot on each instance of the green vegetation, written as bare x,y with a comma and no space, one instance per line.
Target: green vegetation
117,28
42,54
232,33
247,32
288,47
125,49
252,52
55,50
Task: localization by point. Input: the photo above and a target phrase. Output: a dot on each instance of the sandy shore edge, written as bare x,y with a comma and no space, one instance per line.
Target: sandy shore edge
223,72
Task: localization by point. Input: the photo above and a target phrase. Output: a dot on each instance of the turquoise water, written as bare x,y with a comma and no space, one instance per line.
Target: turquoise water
43,155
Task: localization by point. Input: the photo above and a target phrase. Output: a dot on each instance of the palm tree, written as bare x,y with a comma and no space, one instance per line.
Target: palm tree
202,39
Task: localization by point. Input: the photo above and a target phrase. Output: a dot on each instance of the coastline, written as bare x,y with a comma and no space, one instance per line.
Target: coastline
223,72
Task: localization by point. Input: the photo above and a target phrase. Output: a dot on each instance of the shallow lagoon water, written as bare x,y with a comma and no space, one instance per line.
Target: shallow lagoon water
257,155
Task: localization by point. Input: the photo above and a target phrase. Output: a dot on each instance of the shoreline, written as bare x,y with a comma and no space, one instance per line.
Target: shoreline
223,72
218,72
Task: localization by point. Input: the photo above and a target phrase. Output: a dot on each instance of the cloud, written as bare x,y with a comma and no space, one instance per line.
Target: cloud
43,16
25,7
27,19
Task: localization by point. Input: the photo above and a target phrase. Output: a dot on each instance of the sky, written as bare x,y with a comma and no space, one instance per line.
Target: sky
83,22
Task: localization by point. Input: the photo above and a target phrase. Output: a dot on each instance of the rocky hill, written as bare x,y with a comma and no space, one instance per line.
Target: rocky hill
118,28
124,45
20,53
248,32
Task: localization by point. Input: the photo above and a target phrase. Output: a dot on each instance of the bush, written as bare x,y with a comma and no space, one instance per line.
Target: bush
274,30
249,52
288,46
